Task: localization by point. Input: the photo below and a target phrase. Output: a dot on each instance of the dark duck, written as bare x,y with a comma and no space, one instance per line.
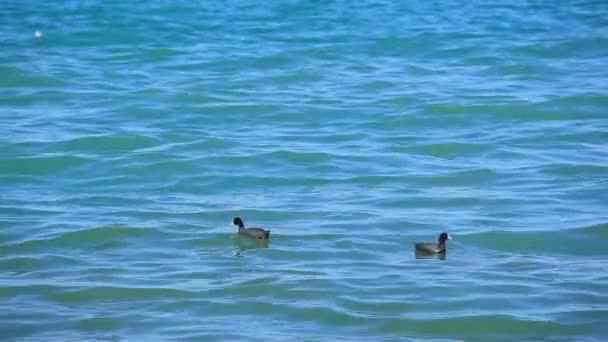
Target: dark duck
434,248
254,233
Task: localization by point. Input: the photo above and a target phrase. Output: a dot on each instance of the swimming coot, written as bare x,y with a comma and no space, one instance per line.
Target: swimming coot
254,233
440,247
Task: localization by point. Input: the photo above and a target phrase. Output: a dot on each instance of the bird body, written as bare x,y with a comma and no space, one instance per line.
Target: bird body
254,233
432,248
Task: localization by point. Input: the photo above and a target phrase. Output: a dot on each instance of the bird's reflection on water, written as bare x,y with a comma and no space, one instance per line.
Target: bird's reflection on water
245,243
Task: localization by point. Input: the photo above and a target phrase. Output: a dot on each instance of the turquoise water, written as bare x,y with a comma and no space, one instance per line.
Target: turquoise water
132,134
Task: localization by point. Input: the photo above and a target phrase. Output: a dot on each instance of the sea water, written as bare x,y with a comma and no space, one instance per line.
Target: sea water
132,133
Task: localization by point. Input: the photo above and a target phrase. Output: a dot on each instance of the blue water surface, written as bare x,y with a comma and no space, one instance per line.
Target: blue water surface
133,132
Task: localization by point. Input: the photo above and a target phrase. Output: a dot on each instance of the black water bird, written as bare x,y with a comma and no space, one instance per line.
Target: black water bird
254,233
433,248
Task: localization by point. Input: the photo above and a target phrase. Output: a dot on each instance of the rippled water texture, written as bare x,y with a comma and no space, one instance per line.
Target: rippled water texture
133,132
